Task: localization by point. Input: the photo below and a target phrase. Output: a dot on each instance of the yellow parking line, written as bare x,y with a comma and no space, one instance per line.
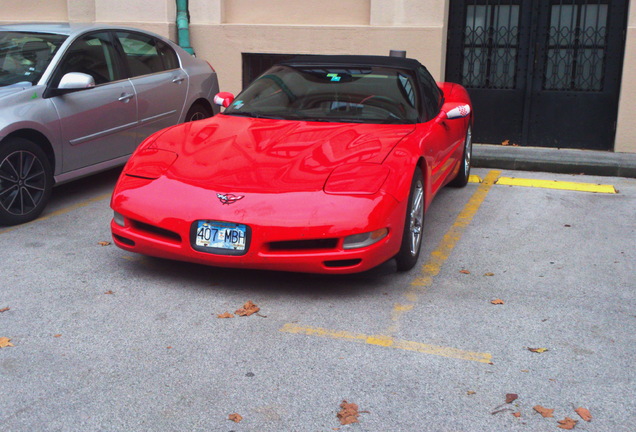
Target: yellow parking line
389,342
554,184
60,211
474,179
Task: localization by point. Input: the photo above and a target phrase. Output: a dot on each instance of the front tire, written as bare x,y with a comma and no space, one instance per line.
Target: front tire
197,112
413,225
461,179
26,181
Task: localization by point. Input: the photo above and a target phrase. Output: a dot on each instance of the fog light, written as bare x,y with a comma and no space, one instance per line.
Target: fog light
119,219
366,239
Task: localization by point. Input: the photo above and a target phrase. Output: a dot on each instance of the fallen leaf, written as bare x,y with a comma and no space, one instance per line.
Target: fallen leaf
545,412
538,350
348,414
511,397
235,417
248,309
4,310
567,423
225,315
5,342
470,392
109,292
464,271
103,243
497,301
489,274
57,335
168,347
567,226
525,370
505,142
517,414
584,414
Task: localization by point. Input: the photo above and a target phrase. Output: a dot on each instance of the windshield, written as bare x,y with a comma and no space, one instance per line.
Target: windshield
25,56
333,94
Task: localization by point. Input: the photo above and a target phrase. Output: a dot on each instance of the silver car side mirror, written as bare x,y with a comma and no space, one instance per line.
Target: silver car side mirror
76,81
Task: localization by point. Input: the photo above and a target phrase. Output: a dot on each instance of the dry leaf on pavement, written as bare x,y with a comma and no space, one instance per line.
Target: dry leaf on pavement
497,301
225,315
584,414
103,243
248,309
517,414
545,412
235,417
567,423
348,414
464,272
511,397
538,350
5,342
489,274
5,309
505,142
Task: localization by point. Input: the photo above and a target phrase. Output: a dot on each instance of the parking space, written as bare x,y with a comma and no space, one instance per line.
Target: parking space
520,289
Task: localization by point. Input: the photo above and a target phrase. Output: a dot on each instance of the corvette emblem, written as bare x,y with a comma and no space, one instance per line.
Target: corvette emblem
229,198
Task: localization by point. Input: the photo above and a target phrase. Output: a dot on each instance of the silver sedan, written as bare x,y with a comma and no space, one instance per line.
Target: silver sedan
78,99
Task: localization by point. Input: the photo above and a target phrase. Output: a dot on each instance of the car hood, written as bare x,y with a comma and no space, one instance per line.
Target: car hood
238,154
13,90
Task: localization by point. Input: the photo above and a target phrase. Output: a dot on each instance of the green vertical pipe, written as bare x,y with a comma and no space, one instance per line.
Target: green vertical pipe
183,23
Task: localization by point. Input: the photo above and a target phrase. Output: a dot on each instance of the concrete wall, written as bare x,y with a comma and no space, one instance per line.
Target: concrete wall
626,123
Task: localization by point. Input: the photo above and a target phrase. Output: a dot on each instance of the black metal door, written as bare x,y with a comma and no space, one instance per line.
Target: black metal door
540,72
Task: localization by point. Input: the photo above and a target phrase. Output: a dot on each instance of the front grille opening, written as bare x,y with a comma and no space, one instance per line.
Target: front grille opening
124,240
342,263
159,232
302,245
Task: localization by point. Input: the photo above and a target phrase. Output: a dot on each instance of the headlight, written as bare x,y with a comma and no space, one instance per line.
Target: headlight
365,239
119,219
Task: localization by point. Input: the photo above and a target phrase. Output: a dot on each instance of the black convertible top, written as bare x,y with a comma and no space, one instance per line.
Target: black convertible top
353,60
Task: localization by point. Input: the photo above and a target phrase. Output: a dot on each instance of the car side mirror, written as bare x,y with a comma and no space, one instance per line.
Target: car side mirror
70,82
76,81
453,110
224,99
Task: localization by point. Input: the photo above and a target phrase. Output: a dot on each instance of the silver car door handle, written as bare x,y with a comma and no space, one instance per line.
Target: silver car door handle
178,80
125,97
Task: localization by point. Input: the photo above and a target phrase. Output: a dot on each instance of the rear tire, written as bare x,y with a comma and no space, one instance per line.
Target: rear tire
197,112
461,179
26,181
413,225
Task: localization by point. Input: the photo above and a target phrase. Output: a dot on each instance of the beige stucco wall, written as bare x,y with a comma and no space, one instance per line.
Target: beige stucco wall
307,12
626,124
33,10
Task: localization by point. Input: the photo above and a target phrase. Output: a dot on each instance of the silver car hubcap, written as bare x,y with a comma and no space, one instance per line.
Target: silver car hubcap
469,150
416,219
197,116
22,182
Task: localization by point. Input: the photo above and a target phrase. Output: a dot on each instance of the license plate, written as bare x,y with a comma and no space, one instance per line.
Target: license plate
221,235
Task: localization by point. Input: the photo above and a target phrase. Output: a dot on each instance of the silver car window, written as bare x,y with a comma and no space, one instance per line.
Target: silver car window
92,54
146,55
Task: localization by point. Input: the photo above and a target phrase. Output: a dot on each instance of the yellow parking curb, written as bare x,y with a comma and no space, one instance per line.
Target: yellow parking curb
554,184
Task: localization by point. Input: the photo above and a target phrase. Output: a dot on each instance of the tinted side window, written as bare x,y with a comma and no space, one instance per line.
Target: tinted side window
142,53
94,55
169,57
432,95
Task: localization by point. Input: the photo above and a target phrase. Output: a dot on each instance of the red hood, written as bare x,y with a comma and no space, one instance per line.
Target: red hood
239,154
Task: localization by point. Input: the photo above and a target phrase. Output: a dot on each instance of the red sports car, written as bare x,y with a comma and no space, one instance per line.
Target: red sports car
324,164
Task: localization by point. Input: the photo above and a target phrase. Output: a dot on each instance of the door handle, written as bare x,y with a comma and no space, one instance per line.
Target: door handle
178,80
125,97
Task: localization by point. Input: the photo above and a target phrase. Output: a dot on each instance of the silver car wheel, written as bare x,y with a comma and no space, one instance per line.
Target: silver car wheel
416,218
468,150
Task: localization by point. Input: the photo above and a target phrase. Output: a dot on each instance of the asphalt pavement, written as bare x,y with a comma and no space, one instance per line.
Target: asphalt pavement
563,161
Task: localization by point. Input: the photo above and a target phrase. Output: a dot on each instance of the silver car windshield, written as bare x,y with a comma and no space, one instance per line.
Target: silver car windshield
25,56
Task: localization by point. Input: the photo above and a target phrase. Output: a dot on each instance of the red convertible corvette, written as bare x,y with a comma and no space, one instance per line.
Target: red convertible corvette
324,164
